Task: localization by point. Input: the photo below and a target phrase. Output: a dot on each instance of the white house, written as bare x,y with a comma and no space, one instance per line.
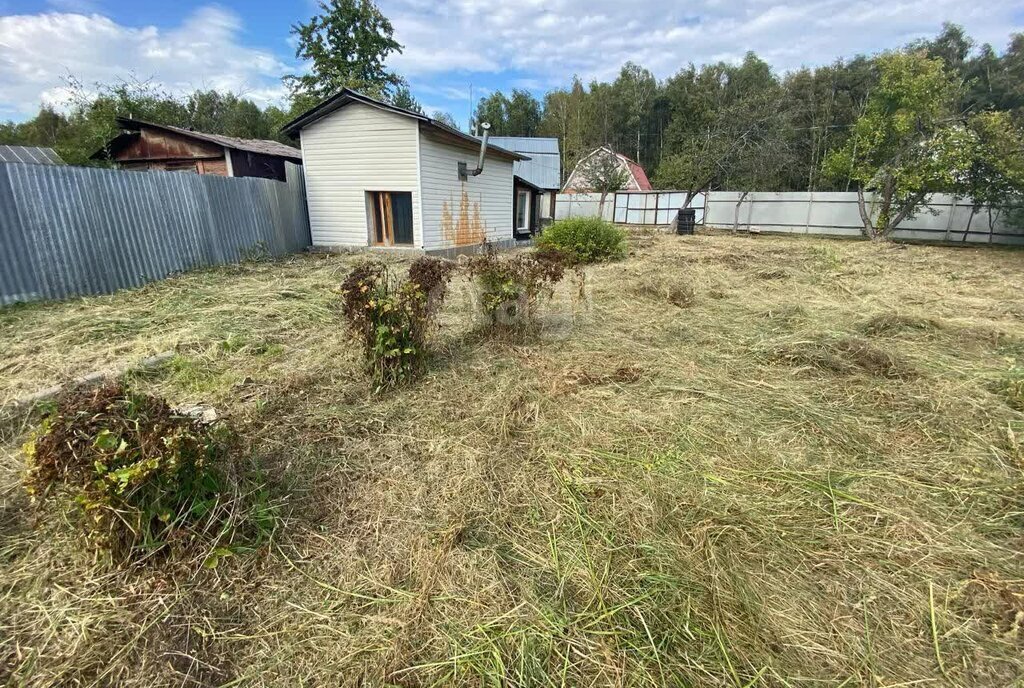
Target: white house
379,175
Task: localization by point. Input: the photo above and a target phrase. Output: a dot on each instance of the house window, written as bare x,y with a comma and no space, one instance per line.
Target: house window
522,211
390,218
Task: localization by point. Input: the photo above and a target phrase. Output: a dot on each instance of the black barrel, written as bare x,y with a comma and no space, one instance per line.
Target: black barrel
686,220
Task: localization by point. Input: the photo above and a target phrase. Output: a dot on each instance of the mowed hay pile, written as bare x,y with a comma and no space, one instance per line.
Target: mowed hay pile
808,471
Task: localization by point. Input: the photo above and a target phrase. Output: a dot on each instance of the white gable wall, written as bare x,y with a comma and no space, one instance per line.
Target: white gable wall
356,149
489,195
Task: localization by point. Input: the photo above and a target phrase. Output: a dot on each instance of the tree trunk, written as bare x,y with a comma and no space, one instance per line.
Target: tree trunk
884,224
904,211
869,227
736,218
600,206
970,219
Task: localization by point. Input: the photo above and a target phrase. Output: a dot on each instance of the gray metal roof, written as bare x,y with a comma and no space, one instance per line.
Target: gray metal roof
32,154
544,168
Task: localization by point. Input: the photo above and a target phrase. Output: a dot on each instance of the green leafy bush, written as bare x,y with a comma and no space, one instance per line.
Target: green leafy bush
585,239
511,286
136,476
392,319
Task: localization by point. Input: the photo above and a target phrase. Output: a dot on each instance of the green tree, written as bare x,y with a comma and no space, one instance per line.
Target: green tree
994,179
604,174
564,117
635,89
347,44
444,118
724,128
523,114
903,147
492,110
91,119
403,98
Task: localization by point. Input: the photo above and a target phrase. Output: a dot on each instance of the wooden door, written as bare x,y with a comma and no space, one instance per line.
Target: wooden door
392,218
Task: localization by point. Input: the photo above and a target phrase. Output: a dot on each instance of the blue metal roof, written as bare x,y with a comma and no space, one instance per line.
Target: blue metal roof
544,168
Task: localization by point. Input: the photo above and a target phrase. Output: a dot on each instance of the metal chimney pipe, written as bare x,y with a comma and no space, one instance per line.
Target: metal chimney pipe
483,149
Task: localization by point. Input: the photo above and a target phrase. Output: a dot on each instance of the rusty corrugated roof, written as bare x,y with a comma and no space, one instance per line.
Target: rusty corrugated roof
261,146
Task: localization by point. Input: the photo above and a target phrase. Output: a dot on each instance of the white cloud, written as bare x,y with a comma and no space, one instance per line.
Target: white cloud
550,40
204,51
537,44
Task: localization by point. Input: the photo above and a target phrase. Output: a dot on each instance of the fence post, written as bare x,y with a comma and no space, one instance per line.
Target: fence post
810,205
952,214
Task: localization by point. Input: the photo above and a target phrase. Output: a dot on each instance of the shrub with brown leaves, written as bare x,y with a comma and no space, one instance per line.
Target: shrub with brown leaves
392,320
512,286
137,476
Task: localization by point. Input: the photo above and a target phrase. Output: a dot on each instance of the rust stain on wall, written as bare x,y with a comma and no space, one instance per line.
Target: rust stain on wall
466,229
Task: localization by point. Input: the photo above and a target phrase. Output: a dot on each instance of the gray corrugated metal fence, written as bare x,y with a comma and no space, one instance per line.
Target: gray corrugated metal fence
70,231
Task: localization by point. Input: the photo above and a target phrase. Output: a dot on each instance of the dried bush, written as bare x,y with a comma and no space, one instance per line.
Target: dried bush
512,286
136,477
585,239
391,319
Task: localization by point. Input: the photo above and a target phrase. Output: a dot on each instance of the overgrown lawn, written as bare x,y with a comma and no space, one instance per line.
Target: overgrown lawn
735,461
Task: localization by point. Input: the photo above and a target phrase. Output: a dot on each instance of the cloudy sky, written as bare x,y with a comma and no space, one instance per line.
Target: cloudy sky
243,45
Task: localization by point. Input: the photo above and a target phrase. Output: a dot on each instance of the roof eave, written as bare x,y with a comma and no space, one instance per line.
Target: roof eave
520,180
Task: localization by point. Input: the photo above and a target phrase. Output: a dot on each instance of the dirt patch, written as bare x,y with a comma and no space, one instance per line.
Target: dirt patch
588,378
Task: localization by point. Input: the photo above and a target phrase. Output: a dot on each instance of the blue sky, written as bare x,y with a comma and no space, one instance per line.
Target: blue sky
450,44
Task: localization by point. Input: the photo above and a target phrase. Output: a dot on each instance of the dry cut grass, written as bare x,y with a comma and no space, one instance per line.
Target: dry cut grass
739,461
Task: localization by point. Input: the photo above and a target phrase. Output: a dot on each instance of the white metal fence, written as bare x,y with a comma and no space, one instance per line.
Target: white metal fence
945,218
828,213
69,231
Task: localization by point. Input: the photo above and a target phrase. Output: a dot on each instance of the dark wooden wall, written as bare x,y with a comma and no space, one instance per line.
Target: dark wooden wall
155,149
152,149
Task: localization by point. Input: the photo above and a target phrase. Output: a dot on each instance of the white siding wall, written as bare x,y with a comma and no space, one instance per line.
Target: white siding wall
546,205
491,191
353,150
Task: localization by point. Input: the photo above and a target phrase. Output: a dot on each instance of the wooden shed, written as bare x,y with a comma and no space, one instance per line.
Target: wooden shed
149,146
